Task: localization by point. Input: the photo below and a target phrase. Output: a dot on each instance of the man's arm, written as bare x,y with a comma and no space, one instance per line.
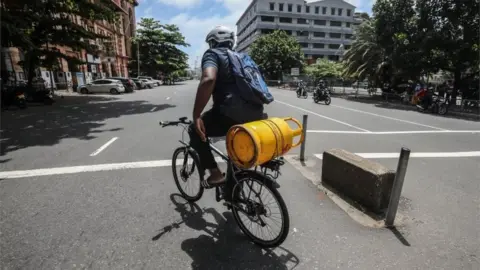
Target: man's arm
207,83
204,91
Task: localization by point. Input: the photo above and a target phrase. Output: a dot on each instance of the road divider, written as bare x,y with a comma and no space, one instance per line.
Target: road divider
103,147
360,180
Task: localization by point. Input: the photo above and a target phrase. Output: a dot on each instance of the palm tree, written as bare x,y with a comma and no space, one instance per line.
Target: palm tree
366,59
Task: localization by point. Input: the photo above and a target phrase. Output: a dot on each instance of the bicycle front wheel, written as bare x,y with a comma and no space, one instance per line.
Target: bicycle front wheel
187,173
259,209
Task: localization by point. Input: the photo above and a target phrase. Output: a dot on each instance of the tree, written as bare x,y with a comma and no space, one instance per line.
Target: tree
275,53
47,24
366,59
158,47
325,69
453,28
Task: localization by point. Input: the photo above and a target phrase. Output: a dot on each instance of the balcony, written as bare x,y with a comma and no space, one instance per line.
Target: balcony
120,5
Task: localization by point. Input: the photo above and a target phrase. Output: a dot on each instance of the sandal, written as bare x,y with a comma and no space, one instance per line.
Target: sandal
205,184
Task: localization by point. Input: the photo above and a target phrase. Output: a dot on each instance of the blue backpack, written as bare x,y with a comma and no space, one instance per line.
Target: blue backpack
248,78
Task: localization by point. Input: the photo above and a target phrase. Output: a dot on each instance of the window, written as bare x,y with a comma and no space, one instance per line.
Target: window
302,33
347,47
320,22
348,36
318,45
303,45
349,12
335,35
266,31
333,46
324,10
288,32
340,12
336,23
307,9
299,8
318,34
333,11
285,20
302,21
272,6
267,19
347,24
280,7
289,7
317,10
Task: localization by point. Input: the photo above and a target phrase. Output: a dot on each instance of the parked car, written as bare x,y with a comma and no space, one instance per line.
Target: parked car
128,83
103,86
139,83
157,82
148,83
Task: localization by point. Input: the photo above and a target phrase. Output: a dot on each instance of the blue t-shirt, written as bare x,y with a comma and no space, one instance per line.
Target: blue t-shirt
225,97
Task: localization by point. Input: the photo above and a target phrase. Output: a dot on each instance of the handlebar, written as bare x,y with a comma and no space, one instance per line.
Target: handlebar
181,121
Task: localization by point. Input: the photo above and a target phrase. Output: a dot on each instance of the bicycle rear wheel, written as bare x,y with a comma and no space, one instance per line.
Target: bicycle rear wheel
185,164
253,211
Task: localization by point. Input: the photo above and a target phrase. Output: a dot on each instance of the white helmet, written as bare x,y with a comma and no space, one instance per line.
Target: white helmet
220,34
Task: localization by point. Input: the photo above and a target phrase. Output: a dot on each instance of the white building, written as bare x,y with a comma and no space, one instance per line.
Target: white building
324,29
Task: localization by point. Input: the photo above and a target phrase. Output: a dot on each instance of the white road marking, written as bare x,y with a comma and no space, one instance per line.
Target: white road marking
416,155
91,168
388,117
394,132
103,147
167,98
153,109
323,116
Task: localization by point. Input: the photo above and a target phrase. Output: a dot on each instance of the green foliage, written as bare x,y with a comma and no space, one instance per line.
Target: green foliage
158,47
325,69
453,31
275,53
366,59
46,23
408,39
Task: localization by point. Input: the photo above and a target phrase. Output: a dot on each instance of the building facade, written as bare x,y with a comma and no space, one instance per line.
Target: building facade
324,29
112,60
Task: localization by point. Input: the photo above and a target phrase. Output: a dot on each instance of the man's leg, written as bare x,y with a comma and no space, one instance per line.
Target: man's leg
216,125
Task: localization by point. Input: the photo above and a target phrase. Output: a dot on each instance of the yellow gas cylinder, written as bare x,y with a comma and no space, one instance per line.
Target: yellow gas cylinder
257,142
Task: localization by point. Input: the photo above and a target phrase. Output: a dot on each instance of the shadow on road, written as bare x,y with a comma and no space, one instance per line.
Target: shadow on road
223,246
395,105
78,117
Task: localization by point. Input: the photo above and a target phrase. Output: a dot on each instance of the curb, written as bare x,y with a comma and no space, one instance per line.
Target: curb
350,208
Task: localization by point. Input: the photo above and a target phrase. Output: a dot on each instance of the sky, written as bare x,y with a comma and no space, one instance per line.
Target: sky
196,18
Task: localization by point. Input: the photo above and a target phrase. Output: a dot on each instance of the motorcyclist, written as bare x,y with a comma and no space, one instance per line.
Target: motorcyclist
427,98
301,88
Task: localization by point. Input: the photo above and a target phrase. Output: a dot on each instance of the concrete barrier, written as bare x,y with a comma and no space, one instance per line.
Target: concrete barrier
363,181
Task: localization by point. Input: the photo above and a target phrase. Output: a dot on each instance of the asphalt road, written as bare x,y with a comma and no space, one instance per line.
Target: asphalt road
57,215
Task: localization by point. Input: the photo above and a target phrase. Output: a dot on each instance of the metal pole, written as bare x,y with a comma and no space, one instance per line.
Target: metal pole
397,186
304,131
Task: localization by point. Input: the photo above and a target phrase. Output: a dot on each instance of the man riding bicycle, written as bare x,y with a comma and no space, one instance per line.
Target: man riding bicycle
228,107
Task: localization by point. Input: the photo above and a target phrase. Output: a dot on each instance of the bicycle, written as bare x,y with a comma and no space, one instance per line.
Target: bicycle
232,191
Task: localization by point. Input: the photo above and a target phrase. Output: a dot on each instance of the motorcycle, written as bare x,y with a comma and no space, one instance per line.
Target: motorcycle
13,96
437,106
322,94
302,91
